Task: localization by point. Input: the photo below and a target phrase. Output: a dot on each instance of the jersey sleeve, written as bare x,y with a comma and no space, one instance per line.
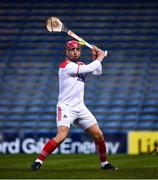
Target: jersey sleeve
98,71
74,68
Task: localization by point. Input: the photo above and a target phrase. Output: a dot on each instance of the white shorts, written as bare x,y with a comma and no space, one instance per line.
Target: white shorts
79,115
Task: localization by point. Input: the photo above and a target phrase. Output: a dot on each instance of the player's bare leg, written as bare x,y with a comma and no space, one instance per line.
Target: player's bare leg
50,146
98,137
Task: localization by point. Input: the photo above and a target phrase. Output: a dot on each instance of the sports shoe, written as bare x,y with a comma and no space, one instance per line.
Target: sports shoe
109,167
36,166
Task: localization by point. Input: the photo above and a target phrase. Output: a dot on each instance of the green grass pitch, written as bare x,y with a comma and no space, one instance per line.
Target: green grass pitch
79,166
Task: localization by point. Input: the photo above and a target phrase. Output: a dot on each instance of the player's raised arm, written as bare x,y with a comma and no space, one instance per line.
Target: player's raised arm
73,52
97,54
74,68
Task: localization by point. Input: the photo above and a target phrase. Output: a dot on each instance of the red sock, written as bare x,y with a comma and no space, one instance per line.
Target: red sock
101,149
48,149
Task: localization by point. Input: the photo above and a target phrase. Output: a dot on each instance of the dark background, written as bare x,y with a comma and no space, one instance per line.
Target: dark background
123,98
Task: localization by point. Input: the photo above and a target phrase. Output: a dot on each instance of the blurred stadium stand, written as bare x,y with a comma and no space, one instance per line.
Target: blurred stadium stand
124,98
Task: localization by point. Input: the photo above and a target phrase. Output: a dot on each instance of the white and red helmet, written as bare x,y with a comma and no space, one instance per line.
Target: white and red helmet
73,44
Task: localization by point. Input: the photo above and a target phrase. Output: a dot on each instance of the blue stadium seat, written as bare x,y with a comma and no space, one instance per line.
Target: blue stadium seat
123,98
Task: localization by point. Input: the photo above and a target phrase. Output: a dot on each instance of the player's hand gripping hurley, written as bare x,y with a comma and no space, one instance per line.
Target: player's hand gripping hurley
55,25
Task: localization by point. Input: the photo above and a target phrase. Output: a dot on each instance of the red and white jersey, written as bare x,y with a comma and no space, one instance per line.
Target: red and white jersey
71,80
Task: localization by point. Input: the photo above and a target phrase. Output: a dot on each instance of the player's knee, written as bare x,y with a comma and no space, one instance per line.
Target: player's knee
61,134
98,136
60,137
